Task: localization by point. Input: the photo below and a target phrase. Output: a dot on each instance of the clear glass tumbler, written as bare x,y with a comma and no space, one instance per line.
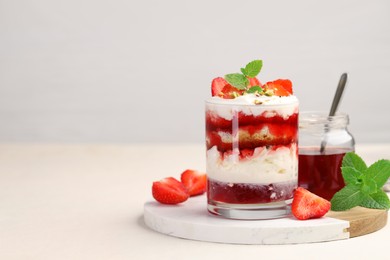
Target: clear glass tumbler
252,159
323,142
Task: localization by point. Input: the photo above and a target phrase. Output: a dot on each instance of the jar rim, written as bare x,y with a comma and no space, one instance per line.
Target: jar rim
322,117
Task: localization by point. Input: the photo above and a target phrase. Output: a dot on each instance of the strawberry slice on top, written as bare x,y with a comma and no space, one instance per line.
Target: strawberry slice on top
307,205
194,181
286,84
230,92
217,85
254,82
220,87
280,87
169,191
233,85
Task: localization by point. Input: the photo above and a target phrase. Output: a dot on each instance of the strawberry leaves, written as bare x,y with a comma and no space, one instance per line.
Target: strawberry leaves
363,184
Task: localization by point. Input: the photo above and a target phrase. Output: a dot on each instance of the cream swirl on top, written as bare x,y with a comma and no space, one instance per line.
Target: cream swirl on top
252,104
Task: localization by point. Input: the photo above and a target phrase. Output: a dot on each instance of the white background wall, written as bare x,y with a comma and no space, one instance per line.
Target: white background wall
139,71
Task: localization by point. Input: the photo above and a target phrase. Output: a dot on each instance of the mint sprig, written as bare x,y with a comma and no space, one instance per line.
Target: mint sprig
237,80
255,89
240,80
363,184
252,69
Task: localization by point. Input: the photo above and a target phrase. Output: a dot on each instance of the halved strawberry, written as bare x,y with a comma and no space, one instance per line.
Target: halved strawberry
280,87
230,92
220,87
169,191
254,82
286,84
217,85
194,181
307,205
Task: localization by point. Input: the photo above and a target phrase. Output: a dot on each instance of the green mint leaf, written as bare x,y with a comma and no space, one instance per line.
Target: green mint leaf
255,89
237,80
243,71
252,69
348,197
363,185
351,159
351,175
379,172
378,200
369,186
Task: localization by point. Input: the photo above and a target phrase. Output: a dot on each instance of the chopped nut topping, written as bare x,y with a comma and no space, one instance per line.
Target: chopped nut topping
269,92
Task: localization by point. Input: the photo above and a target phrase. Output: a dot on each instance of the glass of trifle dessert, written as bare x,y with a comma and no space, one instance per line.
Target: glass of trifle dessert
251,140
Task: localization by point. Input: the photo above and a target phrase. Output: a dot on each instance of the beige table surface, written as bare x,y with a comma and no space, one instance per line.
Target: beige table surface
85,201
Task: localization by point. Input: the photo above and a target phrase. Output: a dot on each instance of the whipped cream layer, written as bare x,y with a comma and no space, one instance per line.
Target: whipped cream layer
252,104
264,167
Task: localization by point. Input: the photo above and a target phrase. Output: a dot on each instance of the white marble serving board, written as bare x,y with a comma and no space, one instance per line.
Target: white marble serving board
191,220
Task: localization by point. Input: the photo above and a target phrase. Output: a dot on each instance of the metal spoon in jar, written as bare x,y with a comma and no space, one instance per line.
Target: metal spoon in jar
335,103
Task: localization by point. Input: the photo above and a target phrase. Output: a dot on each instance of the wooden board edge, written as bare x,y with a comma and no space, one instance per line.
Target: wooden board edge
362,221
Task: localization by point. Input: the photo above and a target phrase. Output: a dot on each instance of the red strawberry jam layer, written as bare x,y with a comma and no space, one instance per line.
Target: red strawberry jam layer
249,131
244,193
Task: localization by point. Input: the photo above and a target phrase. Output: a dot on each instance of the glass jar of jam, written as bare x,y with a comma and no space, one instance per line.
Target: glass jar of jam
323,142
